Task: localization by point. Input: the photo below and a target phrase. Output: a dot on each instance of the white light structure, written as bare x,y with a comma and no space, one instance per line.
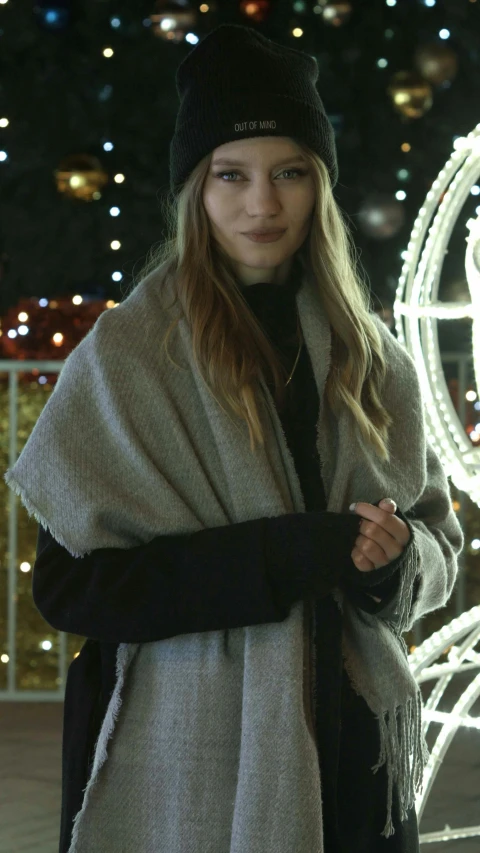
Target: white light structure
458,639
416,308
416,311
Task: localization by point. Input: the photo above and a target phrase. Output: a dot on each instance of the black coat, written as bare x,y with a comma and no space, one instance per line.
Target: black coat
177,584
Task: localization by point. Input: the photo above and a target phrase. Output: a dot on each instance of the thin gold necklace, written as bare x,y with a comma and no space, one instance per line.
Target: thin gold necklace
299,331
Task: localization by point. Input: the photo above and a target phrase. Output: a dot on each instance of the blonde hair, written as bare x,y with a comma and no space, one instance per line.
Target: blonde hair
230,347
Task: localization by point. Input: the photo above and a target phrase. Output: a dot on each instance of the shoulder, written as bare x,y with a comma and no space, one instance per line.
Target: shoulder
396,356
144,306
402,383
130,327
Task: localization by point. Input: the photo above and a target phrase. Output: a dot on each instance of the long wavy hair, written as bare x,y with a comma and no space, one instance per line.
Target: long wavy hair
230,346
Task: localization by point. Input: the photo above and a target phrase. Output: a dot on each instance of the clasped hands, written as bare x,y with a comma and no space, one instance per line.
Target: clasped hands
382,537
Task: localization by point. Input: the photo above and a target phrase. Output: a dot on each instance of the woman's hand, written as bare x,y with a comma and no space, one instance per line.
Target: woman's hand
382,538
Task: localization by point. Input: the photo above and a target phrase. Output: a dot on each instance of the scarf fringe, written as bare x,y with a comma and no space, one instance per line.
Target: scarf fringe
404,750
408,571
33,512
125,654
402,743
403,747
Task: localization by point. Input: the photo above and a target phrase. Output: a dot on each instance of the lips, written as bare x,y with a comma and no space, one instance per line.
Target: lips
264,233
272,237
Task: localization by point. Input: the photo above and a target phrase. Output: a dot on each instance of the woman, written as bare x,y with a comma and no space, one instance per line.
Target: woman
244,684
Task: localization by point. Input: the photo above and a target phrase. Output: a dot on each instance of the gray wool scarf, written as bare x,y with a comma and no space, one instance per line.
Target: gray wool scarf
207,743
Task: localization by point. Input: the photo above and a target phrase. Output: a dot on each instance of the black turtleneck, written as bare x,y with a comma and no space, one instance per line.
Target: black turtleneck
275,306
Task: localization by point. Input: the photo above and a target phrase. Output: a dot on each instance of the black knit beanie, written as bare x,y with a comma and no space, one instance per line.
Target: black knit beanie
236,84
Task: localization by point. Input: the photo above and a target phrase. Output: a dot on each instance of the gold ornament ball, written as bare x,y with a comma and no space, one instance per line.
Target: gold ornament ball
436,63
411,95
336,14
81,176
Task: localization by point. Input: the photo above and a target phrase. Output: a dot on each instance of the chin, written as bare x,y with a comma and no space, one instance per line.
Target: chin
265,255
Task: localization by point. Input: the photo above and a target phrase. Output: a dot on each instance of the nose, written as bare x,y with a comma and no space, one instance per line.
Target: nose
262,198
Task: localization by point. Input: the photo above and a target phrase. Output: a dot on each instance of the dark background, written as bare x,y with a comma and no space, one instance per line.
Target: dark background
63,98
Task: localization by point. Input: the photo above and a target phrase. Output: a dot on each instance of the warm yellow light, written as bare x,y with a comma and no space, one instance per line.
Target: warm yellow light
108,52
406,146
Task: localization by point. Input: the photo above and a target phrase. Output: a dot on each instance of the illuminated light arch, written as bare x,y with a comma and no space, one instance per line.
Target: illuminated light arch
416,312
460,638
416,308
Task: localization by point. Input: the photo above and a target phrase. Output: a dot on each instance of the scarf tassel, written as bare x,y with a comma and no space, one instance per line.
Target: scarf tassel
402,743
404,750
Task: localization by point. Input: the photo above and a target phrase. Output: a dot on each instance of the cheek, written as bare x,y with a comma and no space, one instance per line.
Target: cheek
302,209
208,203
216,210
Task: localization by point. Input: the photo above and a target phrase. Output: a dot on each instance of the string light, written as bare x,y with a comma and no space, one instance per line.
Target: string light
460,638
416,305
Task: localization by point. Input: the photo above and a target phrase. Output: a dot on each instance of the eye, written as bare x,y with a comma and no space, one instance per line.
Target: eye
221,174
300,172
297,171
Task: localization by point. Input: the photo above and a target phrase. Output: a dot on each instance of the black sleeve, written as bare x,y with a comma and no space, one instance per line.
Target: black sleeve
224,577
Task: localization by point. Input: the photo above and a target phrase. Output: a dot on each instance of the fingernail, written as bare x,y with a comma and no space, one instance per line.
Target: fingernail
388,501
352,507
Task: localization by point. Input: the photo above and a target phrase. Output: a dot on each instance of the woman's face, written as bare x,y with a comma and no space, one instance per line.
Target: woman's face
271,188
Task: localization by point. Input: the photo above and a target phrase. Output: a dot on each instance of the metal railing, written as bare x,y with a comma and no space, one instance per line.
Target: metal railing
12,694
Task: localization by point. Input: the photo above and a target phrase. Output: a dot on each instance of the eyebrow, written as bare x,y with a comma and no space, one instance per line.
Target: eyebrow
294,159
